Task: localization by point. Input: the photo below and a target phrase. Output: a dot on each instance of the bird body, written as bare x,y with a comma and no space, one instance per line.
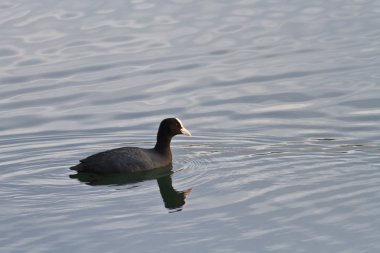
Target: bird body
134,159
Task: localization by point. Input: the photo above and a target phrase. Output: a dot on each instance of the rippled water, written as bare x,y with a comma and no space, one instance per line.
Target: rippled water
282,97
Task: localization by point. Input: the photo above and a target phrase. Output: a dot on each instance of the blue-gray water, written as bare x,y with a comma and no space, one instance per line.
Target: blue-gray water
282,98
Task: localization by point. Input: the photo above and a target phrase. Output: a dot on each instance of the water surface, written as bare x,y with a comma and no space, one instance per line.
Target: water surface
282,98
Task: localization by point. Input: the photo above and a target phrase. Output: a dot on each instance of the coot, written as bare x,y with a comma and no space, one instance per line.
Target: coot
133,159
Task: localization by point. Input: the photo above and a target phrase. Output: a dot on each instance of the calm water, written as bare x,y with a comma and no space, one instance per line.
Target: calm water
282,97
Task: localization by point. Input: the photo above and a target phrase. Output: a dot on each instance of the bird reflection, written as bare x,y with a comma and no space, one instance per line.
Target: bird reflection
173,200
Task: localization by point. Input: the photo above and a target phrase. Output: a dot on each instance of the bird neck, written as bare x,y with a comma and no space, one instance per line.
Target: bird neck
163,144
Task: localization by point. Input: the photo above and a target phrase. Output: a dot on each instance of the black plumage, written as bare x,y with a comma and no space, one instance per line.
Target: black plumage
134,159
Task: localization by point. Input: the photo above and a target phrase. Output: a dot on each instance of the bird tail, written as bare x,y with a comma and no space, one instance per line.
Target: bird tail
78,167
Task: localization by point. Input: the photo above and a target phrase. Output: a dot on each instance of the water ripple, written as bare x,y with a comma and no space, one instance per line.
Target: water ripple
281,98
